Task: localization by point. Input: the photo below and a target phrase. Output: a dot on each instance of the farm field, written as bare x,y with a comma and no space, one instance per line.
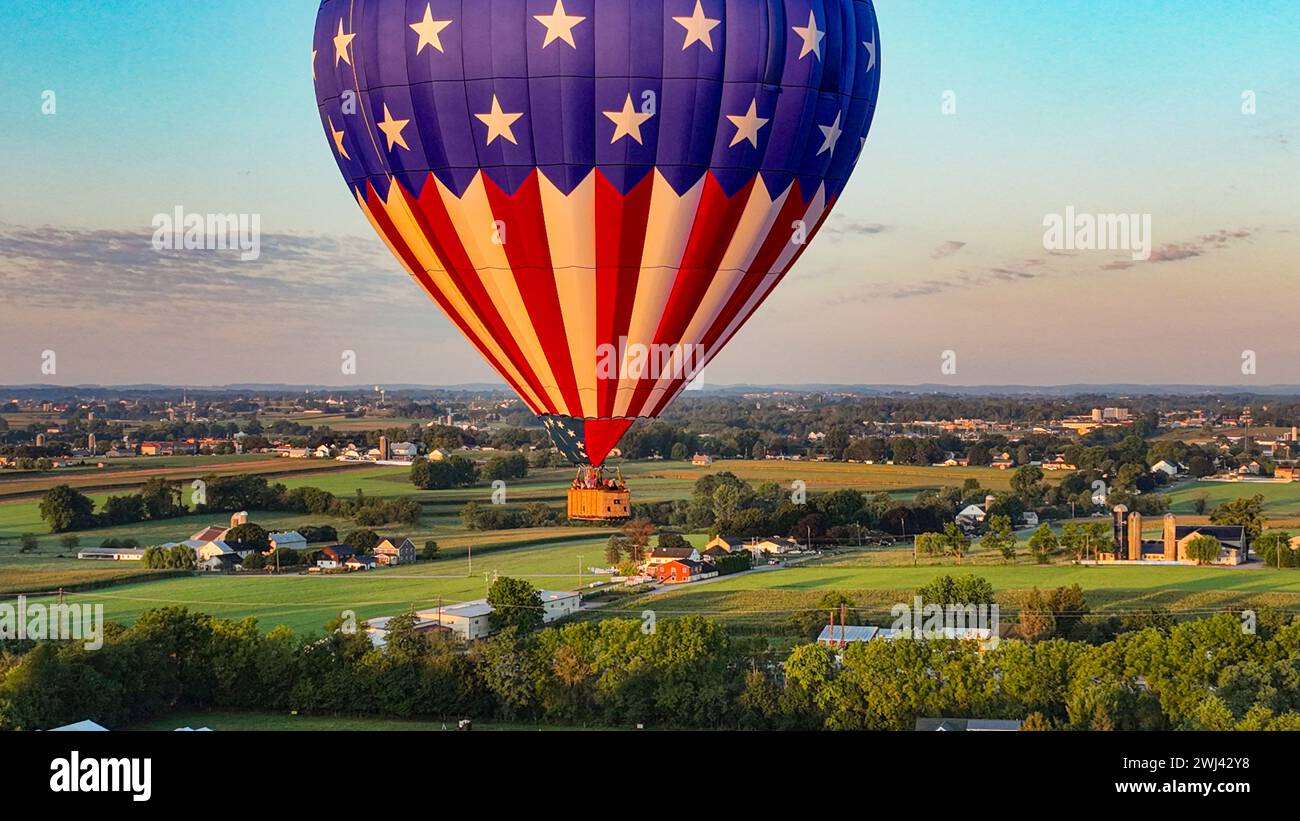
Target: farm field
305,603
549,557
1281,499
129,473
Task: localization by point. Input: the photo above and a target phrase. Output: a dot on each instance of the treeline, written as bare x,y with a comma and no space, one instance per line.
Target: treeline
66,509
1205,674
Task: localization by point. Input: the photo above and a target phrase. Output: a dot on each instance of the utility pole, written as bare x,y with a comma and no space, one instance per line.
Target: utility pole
470,548
579,571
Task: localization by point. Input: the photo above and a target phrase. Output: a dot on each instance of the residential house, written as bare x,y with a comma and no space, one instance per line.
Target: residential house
773,545
663,555
681,571
438,455
334,557
220,562
1168,468
701,460
395,550
730,544
360,562
840,634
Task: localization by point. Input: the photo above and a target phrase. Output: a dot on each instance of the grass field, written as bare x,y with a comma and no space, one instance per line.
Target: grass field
549,557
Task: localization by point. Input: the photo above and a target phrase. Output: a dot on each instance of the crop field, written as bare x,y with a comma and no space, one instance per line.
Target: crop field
129,473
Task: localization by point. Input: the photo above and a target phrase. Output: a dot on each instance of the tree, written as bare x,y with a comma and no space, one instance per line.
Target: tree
637,533
454,471
506,466
1043,544
679,453
1027,482
957,541
932,544
1249,513
161,499
1204,549
362,540
1037,621
70,542
1274,547
614,549
515,603
429,552
65,509
1001,538
28,543
248,536
673,541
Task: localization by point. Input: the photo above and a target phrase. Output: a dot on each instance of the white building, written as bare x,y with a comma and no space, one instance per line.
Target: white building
403,450
112,554
556,604
469,621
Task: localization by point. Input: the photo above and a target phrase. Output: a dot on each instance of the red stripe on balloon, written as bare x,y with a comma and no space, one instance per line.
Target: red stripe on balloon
413,264
621,221
529,252
431,212
712,233
760,268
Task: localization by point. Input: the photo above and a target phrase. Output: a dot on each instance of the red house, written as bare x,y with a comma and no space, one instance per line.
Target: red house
678,571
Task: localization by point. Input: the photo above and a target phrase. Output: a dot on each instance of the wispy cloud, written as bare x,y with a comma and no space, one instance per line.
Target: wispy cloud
68,268
947,249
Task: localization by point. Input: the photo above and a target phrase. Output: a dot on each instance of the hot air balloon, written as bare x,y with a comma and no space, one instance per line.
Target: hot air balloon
598,193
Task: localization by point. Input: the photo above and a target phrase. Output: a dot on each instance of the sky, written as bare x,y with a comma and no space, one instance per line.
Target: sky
992,116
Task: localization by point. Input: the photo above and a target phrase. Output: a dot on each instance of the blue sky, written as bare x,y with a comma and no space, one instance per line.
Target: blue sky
1107,106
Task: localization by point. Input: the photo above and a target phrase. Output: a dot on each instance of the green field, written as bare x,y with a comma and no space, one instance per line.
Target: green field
549,557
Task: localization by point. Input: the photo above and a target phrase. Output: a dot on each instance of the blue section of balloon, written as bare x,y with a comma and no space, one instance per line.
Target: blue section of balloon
622,49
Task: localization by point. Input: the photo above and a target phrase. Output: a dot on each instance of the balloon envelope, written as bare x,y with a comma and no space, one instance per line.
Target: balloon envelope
598,193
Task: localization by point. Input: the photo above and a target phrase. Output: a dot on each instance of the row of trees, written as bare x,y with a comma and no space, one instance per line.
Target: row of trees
66,509
688,672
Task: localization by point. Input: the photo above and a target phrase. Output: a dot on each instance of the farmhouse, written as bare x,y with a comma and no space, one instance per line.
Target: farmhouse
219,562
1290,473
334,557
681,571
1168,468
773,545
663,555
395,550
701,460
727,544
361,563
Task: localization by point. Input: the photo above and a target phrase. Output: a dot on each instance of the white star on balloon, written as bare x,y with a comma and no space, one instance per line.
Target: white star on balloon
628,122
747,125
559,25
832,133
698,27
499,122
871,54
393,129
812,38
430,30
341,43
